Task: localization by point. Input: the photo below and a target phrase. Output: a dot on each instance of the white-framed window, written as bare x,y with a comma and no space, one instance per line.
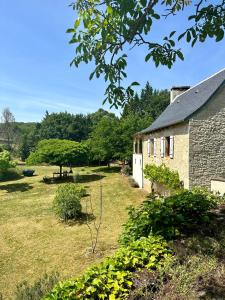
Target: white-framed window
167,146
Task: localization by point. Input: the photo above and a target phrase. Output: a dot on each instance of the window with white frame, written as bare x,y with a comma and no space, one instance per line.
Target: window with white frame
167,146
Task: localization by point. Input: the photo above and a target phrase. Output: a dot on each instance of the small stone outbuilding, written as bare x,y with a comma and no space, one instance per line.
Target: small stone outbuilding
189,136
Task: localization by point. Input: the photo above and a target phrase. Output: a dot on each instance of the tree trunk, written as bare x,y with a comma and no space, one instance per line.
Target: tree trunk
60,171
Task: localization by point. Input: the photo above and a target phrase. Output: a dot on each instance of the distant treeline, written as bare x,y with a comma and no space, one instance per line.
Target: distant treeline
108,137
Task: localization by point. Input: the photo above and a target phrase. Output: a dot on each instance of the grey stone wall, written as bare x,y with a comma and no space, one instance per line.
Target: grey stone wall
207,142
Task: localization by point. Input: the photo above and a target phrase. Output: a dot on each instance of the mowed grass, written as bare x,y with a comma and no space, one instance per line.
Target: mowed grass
33,241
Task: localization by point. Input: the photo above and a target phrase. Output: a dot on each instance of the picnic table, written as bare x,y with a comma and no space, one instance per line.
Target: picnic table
57,174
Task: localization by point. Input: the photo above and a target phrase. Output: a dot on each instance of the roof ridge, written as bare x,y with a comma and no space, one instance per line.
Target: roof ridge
200,82
189,102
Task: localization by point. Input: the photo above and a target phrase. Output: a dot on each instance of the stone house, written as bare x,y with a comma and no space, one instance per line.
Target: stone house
189,136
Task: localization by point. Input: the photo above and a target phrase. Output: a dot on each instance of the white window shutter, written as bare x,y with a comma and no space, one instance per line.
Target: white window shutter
148,148
162,146
171,146
154,147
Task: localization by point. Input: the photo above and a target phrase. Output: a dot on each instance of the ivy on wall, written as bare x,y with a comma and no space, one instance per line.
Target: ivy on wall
163,175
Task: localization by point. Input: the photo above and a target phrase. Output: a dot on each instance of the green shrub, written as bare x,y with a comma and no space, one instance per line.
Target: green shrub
5,163
112,278
162,174
67,201
180,213
41,287
11,174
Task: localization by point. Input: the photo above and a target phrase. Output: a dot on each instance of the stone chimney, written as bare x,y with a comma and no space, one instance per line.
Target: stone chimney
176,91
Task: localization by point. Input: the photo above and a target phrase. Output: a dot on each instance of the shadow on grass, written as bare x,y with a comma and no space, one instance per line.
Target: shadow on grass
83,219
16,187
11,176
115,169
84,178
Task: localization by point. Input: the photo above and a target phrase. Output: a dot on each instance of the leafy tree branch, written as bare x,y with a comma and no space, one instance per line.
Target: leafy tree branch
105,31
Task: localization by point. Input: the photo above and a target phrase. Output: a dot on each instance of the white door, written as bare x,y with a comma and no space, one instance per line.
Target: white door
138,169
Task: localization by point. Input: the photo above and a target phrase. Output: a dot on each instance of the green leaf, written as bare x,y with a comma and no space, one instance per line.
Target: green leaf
143,3
148,56
70,30
109,10
134,83
156,16
188,38
172,33
220,35
181,36
77,23
180,55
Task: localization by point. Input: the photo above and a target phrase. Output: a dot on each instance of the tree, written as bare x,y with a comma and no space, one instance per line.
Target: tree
104,144
24,149
138,114
96,117
150,103
29,137
105,30
59,152
8,127
64,125
55,126
5,162
127,128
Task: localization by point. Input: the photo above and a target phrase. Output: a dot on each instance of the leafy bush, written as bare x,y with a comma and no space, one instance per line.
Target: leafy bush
5,162
41,287
67,201
11,174
112,278
133,183
169,216
162,174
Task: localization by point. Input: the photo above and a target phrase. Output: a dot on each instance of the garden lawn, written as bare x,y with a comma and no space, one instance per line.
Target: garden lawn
33,241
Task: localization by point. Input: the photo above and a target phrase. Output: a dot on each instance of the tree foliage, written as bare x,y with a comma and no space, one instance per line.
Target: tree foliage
5,162
64,125
66,203
112,138
105,30
104,142
58,152
150,103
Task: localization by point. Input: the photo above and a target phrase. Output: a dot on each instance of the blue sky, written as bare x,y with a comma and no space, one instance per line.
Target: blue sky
35,75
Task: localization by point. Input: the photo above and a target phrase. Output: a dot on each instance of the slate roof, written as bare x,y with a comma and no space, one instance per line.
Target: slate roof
188,103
